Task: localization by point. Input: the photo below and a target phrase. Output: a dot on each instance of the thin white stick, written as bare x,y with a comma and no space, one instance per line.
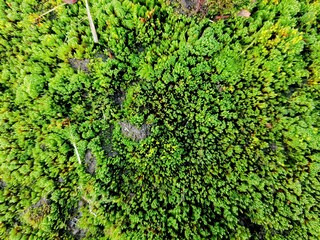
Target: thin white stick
74,145
51,10
93,29
77,153
90,208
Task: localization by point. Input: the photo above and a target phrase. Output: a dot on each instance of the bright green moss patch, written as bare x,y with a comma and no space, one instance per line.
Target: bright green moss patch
174,126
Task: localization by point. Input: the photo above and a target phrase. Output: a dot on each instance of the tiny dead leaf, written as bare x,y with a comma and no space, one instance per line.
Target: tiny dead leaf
244,13
70,1
221,17
269,125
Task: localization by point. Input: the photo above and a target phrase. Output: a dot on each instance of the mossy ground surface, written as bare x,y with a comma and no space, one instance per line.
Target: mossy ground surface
185,121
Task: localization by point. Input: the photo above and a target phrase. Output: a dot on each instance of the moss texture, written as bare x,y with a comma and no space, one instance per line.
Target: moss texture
176,125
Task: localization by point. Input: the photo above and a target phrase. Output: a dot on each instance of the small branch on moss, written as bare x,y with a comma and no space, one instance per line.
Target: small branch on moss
249,46
92,27
51,10
77,153
74,145
90,208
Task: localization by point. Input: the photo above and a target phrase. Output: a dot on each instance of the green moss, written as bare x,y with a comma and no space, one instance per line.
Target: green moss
230,110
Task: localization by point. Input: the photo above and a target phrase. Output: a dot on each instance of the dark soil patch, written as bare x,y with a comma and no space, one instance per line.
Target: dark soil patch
106,138
102,56
74,229
91,163
72,224
190,7
41,202
256,230
119,98
3,184
134,132
79,64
